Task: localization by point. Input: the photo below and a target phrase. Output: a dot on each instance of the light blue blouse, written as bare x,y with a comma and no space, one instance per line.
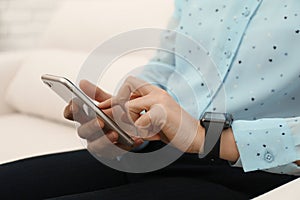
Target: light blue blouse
255,46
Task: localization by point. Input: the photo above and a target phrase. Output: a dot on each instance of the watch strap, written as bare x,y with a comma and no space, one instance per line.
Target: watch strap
213,133
215,152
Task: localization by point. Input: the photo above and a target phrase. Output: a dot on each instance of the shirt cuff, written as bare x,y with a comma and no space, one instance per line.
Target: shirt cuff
264,144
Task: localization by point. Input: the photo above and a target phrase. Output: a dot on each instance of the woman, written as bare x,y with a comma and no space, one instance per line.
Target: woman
254,46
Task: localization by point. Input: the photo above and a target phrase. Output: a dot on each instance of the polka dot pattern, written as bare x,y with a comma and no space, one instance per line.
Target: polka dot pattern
255,50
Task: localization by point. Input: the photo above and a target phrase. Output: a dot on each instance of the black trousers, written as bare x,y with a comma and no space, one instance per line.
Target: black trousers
78,175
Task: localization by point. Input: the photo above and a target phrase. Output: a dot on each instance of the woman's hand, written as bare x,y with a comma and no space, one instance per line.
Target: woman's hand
157,116
92,128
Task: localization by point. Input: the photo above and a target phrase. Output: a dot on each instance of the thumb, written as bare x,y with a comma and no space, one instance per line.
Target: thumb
152,122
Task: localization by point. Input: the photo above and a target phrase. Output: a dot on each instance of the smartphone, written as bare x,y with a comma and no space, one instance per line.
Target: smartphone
68,90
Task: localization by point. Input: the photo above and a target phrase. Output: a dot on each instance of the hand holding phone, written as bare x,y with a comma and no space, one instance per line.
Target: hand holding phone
67,90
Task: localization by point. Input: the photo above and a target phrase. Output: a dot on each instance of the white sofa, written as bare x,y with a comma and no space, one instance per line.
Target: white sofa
30,114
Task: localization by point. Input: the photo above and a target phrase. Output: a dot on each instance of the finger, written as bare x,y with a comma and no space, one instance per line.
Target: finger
91,130
110,138
135,107
105,146
74,111
72,108
144,122
137,142
93,91
140,104
131,86
158,137
108,103
108,112
69,110
144,127
152,122
155,137
105,104
134,96
126,119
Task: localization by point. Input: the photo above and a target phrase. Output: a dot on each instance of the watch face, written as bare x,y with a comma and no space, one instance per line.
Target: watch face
224,118
215,117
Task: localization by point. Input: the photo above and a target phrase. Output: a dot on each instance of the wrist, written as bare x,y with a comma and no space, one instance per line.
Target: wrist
199,140
228,147
201,133
214,124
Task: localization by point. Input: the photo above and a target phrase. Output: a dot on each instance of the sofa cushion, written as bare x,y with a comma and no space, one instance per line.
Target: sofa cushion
26,136
28,94
84,24
9,64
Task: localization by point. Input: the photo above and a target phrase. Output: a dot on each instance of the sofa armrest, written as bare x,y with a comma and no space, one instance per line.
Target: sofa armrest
287,191
9,64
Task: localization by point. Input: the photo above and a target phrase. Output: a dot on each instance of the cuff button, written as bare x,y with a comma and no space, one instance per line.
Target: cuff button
269,157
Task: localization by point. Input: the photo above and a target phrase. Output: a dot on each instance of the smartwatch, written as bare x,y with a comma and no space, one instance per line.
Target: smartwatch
214,124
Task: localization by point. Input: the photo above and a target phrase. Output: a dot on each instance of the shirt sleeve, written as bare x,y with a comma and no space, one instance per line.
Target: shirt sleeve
271,145
161,66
